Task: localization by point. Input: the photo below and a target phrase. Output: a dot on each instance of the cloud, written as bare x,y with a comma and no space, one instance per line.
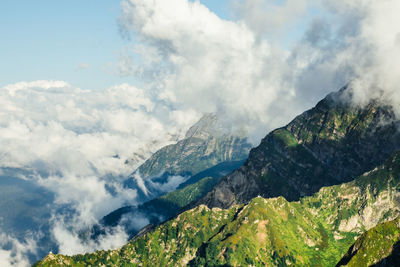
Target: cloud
139,180
135,221
14,252
75,143
72,130
374,49
271,18
154,186
171,184
241,70
213,65
70,243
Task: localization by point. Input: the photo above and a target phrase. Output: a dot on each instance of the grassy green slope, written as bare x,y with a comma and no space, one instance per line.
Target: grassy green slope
315,231
273,232
379,246
173,243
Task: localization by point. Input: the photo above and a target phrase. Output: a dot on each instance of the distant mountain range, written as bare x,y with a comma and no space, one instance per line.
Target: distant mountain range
302,198
205,145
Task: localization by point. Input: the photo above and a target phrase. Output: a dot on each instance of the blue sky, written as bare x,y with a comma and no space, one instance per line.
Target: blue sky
75,41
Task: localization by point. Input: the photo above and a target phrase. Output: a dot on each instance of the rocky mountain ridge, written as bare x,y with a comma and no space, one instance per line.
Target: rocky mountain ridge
330,144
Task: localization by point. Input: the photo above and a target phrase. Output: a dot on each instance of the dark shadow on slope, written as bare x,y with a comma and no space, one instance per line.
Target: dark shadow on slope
393,259
346,258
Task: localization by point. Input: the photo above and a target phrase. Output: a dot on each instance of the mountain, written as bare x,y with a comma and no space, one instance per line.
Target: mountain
330,144
303,196
380,246
168,205
205,145
315,231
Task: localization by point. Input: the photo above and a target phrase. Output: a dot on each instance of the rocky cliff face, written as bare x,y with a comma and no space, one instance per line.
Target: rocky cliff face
329,144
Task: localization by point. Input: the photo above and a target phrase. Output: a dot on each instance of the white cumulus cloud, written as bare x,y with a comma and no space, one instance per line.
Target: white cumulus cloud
240,69
213,65
75,143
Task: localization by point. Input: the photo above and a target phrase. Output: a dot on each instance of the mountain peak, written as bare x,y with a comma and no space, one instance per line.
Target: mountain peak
205,145
207,126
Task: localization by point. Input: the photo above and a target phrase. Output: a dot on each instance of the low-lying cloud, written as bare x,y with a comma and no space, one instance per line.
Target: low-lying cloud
64,128
76,143
169,185
70,242
16,252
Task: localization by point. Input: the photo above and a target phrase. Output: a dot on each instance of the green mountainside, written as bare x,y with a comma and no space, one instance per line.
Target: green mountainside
302,198
380,246
332,143
315,231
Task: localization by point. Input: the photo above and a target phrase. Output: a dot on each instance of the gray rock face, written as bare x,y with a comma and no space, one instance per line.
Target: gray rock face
206,144
332,143
207,126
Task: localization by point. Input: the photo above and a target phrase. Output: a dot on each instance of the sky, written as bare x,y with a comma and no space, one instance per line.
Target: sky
84,81
74,41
